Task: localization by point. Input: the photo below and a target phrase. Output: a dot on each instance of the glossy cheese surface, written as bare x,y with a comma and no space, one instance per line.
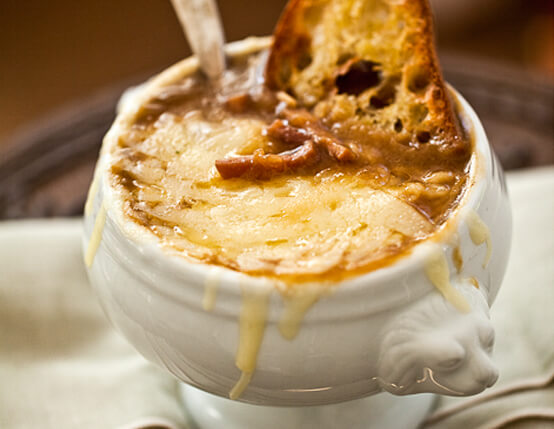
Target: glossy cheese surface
320,222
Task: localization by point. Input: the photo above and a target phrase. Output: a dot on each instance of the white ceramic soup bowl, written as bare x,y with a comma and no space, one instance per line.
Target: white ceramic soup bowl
418,325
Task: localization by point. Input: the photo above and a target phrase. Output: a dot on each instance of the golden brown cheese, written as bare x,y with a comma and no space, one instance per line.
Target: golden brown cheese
364,201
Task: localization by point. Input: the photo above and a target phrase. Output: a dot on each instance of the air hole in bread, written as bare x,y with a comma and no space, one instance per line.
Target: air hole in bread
378,103
385,95
423,136
358,76
418,79
398,125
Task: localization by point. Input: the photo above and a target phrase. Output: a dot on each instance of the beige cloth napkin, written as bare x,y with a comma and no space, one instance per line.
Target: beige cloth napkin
523,317
61,363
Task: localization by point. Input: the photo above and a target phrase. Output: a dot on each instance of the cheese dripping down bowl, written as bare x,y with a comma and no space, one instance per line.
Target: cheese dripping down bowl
418,324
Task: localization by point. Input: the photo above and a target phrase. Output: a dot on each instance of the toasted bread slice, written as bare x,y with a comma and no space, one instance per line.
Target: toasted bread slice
366,62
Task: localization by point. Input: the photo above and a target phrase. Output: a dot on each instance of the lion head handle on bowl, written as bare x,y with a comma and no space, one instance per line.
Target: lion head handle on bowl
433,347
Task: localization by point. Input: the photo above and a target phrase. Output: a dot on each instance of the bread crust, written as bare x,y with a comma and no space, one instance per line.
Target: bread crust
411,101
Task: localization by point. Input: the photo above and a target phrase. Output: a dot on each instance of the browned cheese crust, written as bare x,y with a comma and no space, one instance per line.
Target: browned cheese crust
344,157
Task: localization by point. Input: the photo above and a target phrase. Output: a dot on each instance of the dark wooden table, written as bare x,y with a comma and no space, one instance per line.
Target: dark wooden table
45,169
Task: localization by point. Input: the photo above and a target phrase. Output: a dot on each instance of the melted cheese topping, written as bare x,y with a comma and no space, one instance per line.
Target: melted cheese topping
436,269
241,385
479,233
96,236
354,202
252,323
296,304
290,225
91,196
210,290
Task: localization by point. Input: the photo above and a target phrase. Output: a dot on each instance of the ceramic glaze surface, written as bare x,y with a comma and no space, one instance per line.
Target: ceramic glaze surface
419,325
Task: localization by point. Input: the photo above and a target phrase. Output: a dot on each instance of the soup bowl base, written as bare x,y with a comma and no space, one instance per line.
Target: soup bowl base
377,411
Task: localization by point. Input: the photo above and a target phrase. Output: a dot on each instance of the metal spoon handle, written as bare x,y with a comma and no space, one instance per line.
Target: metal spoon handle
202,25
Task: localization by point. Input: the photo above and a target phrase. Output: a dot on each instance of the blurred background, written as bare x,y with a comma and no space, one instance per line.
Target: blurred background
63,64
